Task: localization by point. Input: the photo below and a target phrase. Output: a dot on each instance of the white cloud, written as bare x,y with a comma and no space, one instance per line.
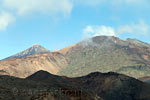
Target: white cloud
22,7
5,19
91,31
27,7
140,28
63,7
43,6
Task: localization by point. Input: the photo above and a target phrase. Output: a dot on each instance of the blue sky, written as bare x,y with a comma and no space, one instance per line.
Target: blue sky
56,24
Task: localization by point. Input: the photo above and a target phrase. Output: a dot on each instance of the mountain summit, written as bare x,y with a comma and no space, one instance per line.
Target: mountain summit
35,49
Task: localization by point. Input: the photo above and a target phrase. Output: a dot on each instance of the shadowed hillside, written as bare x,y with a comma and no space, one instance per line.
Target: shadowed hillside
94,86
12,88
107,86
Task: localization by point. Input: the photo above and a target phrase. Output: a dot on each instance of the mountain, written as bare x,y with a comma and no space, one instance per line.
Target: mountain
107,86
35,49
22,67
108,53
101,53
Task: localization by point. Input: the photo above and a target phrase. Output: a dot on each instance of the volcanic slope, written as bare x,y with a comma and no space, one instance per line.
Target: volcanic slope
108,53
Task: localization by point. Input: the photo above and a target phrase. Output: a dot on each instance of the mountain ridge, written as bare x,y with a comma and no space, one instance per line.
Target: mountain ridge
100,53
108,53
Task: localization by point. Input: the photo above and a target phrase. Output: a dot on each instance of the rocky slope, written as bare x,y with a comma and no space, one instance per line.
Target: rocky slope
25,66
35,49
106,53
105,86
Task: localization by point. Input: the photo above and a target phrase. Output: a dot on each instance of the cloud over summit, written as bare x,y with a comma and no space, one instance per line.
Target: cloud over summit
91,31
137,29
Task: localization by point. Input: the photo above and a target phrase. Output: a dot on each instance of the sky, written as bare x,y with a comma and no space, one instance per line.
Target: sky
56,24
